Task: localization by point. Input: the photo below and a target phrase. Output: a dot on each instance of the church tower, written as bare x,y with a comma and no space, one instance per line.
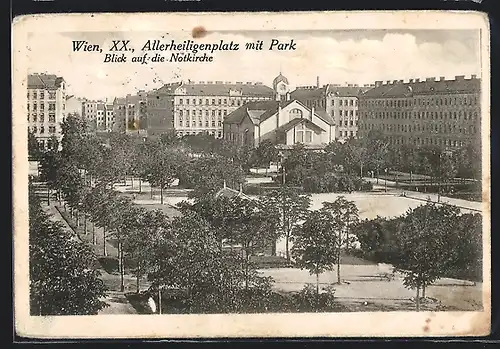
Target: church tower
281,88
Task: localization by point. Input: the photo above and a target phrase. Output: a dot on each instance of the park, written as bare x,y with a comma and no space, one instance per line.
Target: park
154,229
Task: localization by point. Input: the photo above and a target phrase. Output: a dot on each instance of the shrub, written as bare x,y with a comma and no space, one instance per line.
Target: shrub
252,189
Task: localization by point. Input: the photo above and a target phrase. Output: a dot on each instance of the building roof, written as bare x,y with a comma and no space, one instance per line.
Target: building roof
313,92
308,92
292,123
280,78
259,111
429,86
231,193
222,89
100,106
168,89
346,91
119,100
44,81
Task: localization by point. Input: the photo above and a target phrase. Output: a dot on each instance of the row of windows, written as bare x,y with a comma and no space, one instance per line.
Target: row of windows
35,95
220,101
424,101
51,106
427,141
421,115
200,123
345,112
438,128
41,118
51,129
200,112
346,134
348,123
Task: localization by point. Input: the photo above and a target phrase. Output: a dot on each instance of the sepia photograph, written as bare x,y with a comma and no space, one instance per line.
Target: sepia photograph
251,175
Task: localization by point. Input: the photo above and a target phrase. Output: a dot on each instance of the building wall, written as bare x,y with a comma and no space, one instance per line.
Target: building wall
344,111
447,119
293,137
196,114
46,111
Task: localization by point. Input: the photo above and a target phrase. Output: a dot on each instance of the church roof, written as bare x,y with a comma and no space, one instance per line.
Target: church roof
279,78
289,125
259,111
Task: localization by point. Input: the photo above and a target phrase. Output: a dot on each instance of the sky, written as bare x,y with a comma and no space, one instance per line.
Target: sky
339,57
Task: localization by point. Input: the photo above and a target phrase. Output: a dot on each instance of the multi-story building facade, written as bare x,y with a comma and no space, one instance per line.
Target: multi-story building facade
130,113
340,102
192,108
46,106
440,112
90,108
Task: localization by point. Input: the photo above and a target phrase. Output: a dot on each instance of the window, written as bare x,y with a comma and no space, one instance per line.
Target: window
213,101
207,101
41,118
187,123
42,130
34,118
225,101
219,112
42,95
193,122
52,106
52,129
206,123
181,112
180,101
220,101
294,114
34,106
180,122
35,130
34,95
213,122
232,101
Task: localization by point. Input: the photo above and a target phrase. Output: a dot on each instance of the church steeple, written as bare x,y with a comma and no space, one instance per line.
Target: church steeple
280,87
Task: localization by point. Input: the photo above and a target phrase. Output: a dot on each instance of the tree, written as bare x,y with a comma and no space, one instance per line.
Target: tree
34,149
62,278
344,214
253,224
266,152
426,234
50,166
162,167
315,245
292,208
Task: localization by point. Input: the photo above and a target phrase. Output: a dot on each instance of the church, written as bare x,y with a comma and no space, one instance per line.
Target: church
283,121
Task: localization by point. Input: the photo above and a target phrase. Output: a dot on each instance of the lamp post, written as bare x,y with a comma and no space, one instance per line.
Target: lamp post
385,180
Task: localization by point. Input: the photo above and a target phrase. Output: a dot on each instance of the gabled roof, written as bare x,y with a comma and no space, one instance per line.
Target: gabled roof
119,100
231,193
292,123
259,111
44,81
407,89
168,89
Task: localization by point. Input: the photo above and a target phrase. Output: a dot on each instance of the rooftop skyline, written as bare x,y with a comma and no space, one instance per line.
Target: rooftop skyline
337,57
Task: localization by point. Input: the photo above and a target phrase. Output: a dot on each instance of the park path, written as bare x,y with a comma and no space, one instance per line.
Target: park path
118,303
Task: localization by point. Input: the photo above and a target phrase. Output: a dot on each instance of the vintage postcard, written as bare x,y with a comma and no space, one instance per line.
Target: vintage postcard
204,175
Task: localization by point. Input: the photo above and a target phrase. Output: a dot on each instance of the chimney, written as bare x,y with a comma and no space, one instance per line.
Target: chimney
430,79
317,81
224,183
378,83
288,96
441,78
417,80
241,188
411,80
459,77
473,76
388,82
395,81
